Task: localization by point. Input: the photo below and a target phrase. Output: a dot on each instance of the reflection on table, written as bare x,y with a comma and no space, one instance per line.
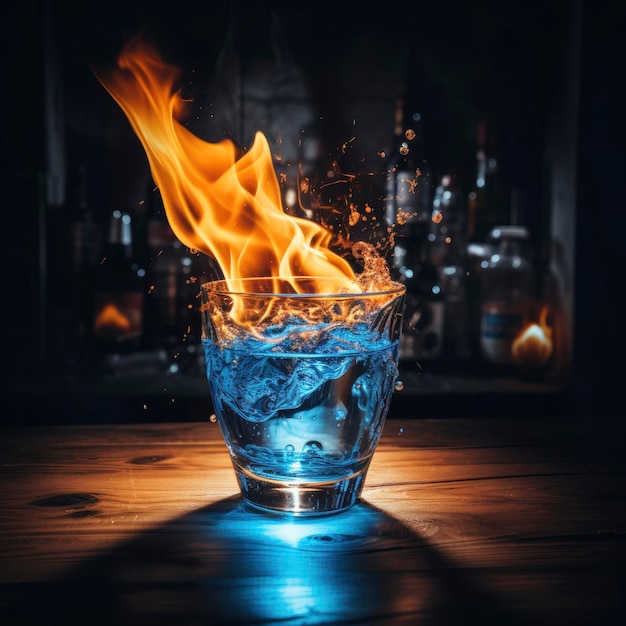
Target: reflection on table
501,521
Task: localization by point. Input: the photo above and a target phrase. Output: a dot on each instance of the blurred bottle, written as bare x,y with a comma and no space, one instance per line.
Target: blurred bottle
448,255
407,213
484,204
409,188
85,248
71,243
478,255
507,294
421,341
118,291
446,236
174,275
162,319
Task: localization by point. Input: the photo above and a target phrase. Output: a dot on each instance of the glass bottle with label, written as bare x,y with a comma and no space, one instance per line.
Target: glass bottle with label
507,294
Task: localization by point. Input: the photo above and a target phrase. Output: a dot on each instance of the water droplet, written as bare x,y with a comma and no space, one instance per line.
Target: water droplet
312,447
213,418
289,450
399,386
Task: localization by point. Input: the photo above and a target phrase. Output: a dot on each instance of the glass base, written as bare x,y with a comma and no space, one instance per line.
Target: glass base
300,498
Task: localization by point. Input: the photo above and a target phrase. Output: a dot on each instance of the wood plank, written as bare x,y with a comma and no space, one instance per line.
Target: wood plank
511,522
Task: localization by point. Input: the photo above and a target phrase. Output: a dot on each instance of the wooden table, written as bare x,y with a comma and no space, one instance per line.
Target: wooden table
462,521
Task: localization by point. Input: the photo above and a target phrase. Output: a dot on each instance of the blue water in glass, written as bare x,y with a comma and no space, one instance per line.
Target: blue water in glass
303,407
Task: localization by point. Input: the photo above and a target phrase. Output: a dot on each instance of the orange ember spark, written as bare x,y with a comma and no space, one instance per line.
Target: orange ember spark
222,203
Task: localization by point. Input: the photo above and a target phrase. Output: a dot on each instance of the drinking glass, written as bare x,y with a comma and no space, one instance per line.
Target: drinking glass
301,376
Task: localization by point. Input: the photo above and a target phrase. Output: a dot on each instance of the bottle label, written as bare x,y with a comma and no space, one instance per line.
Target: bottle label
497,333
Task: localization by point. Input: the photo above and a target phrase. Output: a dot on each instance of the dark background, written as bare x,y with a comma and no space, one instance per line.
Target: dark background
464,61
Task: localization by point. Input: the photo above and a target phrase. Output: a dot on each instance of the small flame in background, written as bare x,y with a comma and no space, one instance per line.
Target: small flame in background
118,316
219,200
113,319
533,346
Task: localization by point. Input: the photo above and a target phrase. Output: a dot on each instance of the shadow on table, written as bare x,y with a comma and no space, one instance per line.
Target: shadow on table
228,564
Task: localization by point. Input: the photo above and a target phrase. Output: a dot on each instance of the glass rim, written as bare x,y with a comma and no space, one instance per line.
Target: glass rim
220,286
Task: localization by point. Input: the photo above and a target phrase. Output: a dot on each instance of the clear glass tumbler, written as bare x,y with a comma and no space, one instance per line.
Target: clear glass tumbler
301,384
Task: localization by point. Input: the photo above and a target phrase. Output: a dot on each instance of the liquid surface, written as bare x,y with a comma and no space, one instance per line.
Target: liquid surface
309,409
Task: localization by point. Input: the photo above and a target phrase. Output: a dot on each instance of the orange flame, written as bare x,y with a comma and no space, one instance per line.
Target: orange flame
110,321
533,346
222,203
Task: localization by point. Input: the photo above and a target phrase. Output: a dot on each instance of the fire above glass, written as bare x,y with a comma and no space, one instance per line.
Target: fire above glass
301,384
302,361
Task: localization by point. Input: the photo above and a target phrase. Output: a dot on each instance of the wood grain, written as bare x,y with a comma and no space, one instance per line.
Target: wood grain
505,522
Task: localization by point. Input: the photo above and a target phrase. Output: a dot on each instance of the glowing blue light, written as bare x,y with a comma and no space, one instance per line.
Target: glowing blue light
310,570
298,598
